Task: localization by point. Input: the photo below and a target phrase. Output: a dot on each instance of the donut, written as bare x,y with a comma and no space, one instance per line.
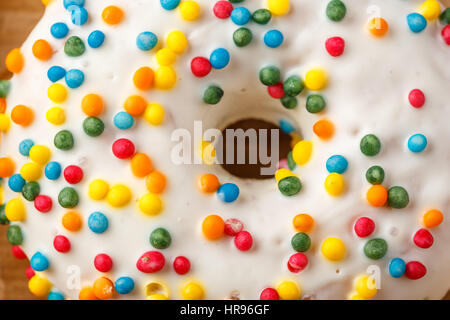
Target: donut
112,186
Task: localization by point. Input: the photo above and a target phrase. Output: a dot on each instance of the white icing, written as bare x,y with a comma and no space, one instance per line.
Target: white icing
367,93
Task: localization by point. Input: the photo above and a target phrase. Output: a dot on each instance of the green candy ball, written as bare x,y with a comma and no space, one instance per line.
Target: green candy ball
269,75
336,10
93,126
370,145
262,16
375,249
3,219
398,197
293,86
291,163
289,102
445,16
301,242
375,175
68,198
242,37
315,103
14,235
31,190
4,88
160,238
64,140
74,47
290,186
213,95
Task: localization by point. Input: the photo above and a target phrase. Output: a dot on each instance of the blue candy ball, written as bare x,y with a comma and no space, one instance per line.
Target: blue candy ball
96,39
124,285
16,182
228,192
273,38
219,58
123,120
240,16
53,170
55,295
286,126
79,16
39,262
98,222
74,78
417,143
397,267
25,146
69,3
146,41
337,164
416,22
170,4
56,73
59,30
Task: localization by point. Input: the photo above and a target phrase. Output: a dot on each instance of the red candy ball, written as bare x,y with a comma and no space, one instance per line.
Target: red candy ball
123,148
73,174
446,34
423,239
364,227
61,244
335,46
43,203
269,294
29,272
200,67
151,261
18,252
181,265
222,9
233,227
276,91
297,262
103,262
415,270
243,241
416,98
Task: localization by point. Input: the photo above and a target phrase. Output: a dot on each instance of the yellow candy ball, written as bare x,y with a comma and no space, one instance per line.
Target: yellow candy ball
165,57
15,210
278,7
335,184
40,154
31,171
56,116
289,290
39,286
98,189
156,297
5,122
192,291
154,114
430,9
118,196
333,249
57,93
46,2
302,152
165,78
366,287
150,204
190,10
177,42
283,173
355,296
316,79
207,152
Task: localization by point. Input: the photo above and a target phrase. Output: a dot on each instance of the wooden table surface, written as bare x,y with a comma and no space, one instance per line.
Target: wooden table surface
17,18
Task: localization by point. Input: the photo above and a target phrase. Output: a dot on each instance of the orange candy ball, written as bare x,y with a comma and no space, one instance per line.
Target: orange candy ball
112,15
135,105
303,223
92,105
72,221
208,183
377,196
378,27
42,50
141,165
87,293
213,227
324,129
156,182
22,115
432,218
143,78
7,167
14,61
103,288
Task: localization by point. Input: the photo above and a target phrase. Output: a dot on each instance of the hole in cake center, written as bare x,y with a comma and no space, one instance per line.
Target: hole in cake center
251,148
